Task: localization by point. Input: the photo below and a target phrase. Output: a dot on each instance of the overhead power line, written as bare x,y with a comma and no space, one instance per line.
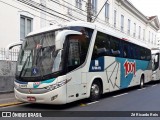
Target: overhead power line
70,7
23,10
43,8
55,1
37,6
100,11
30,12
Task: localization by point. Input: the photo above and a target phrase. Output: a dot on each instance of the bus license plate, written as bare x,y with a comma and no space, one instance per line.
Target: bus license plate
31,98
23,85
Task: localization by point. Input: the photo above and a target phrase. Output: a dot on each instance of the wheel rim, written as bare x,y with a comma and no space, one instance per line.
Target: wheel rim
95,90
142,83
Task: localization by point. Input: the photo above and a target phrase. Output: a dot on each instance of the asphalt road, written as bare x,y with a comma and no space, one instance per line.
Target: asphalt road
137,101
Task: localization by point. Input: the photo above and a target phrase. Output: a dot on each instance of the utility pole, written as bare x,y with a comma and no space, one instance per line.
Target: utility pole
89,8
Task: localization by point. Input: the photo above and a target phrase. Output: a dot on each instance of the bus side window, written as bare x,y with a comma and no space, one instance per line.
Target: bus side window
142,54
74,53
148,54
132,51
101,47
115,47
137,51
126,51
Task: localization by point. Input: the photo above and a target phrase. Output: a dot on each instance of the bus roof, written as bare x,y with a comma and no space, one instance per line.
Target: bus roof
99,27
45,29
154,51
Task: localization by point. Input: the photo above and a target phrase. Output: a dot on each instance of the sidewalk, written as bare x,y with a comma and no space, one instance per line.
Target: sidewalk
8,99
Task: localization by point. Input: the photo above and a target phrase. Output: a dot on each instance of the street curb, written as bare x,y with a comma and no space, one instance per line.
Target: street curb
10,104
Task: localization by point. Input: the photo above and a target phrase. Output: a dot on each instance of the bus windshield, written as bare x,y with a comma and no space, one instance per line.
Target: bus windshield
155,62
38,56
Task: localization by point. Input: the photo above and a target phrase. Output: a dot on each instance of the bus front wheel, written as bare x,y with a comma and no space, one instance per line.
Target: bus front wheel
95,91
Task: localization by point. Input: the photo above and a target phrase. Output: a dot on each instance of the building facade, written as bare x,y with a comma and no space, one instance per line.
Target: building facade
19,17
122,16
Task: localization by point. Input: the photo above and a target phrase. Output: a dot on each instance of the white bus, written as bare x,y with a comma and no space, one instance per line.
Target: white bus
59,65
156,64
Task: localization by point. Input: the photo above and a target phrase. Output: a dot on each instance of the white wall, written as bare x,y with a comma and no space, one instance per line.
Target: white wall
10,18
133,18
10,12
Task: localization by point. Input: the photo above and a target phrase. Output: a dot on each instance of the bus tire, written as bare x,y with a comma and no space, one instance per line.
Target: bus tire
95,91
142,82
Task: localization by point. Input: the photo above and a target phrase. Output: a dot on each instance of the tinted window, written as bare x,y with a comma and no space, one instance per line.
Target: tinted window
106,45
115,47
102,45
126,50
78,47
132,51
137,51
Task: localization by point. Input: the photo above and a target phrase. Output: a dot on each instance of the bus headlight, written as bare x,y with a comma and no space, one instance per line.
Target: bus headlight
16,86
57,85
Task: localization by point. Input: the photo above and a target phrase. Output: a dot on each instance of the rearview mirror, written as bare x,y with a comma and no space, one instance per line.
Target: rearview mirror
156,58
10,46
60,38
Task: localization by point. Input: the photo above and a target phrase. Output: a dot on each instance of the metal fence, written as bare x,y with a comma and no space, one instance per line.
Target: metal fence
13,54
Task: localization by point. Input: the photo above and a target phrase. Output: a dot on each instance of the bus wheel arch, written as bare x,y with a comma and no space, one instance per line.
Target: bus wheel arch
96,89
142,81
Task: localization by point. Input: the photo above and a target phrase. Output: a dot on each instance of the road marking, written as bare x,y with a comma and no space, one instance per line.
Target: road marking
154,85
120,95
92,103
142,89
10,104
82,104
14,106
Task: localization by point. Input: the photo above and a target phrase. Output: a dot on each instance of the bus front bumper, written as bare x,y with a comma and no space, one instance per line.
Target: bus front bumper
57,96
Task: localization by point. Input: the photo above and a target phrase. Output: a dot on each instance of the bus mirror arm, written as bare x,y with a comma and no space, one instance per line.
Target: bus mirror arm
10,46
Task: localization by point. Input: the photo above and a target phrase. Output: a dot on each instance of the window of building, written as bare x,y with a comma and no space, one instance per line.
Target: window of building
107,12
79,4
143,34
25,26
149,36
139,34
152,38
94,6
69,11
115,18
129,26
122,23
155,40
134,33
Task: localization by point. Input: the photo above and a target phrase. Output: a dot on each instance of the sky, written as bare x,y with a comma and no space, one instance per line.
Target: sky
148,7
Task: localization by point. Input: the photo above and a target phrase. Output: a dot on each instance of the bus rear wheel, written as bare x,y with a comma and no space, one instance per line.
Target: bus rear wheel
142,82
95,92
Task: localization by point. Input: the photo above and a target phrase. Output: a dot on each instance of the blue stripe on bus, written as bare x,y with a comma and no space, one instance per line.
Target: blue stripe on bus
126,79
46,81
20,82
34,83
97,65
